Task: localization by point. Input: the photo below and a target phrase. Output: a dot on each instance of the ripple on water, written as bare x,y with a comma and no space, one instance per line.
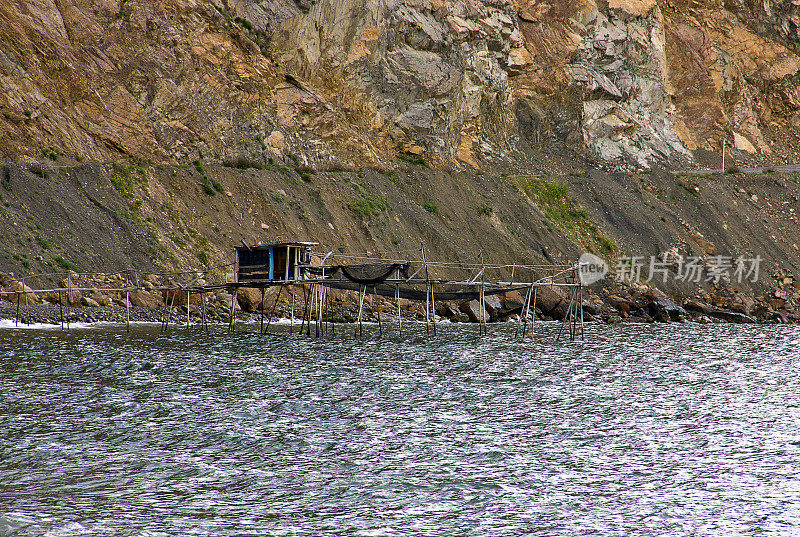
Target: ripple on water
643,430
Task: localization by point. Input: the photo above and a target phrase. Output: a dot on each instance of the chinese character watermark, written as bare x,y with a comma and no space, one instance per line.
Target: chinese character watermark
694,269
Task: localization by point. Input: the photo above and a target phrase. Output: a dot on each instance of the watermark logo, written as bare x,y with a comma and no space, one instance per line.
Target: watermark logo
591,268
715,269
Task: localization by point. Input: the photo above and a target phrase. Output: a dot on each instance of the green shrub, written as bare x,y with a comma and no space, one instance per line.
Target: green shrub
485,210
199,167
411,158
367,205
431,208
65,263
208,188
553,199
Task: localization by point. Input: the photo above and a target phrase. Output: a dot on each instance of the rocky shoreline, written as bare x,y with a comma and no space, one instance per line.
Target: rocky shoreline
604,307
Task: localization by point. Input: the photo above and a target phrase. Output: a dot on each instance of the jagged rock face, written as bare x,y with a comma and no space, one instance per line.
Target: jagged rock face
728,82
102,80
632,82
422,76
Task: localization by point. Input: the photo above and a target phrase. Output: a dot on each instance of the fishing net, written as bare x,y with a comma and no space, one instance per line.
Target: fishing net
362,274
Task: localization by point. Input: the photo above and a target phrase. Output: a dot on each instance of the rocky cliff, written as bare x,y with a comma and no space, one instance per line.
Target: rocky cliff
635,83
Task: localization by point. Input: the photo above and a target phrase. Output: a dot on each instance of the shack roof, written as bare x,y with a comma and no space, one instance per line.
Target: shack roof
265,246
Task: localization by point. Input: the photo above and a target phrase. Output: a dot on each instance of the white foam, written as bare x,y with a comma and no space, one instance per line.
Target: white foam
10,324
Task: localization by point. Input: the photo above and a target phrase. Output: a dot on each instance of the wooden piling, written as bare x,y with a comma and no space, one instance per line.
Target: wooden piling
317,308
274,307
308,310
427,288
566,319
188,307
399,312
433,310
377,310
523,317
291,322
172,310
128,311
261,326
69,295
164,316
203,320
61,310
360,309
234,298
583,336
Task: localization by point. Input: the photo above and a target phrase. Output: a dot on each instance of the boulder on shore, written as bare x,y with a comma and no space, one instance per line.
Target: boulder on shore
249,299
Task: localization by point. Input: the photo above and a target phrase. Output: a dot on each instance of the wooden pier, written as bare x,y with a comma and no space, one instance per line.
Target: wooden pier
295,268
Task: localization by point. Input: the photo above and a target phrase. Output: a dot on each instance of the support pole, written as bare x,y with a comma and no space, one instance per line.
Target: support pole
566,318
427,288
482,323
291,322
522,317
427,308
583,336
399,314
234,298
128,310
164,315
305,309
317,309
16,316
531,291
360,309
274,307
171,308
433,310
378,310
331,323
723,156
188,307
61,310
69,295
309,307
261,326
203,313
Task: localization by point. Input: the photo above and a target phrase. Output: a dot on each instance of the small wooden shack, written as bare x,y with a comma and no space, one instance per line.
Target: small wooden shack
277,262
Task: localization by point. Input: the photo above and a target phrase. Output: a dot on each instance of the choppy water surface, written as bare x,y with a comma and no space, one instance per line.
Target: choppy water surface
643,430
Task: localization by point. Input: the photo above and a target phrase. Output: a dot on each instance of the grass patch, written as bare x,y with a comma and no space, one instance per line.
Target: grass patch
411,158
65,263
199,167
367,205
691,188
485,210
246,24
202,256
41,241
553,199
431,208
